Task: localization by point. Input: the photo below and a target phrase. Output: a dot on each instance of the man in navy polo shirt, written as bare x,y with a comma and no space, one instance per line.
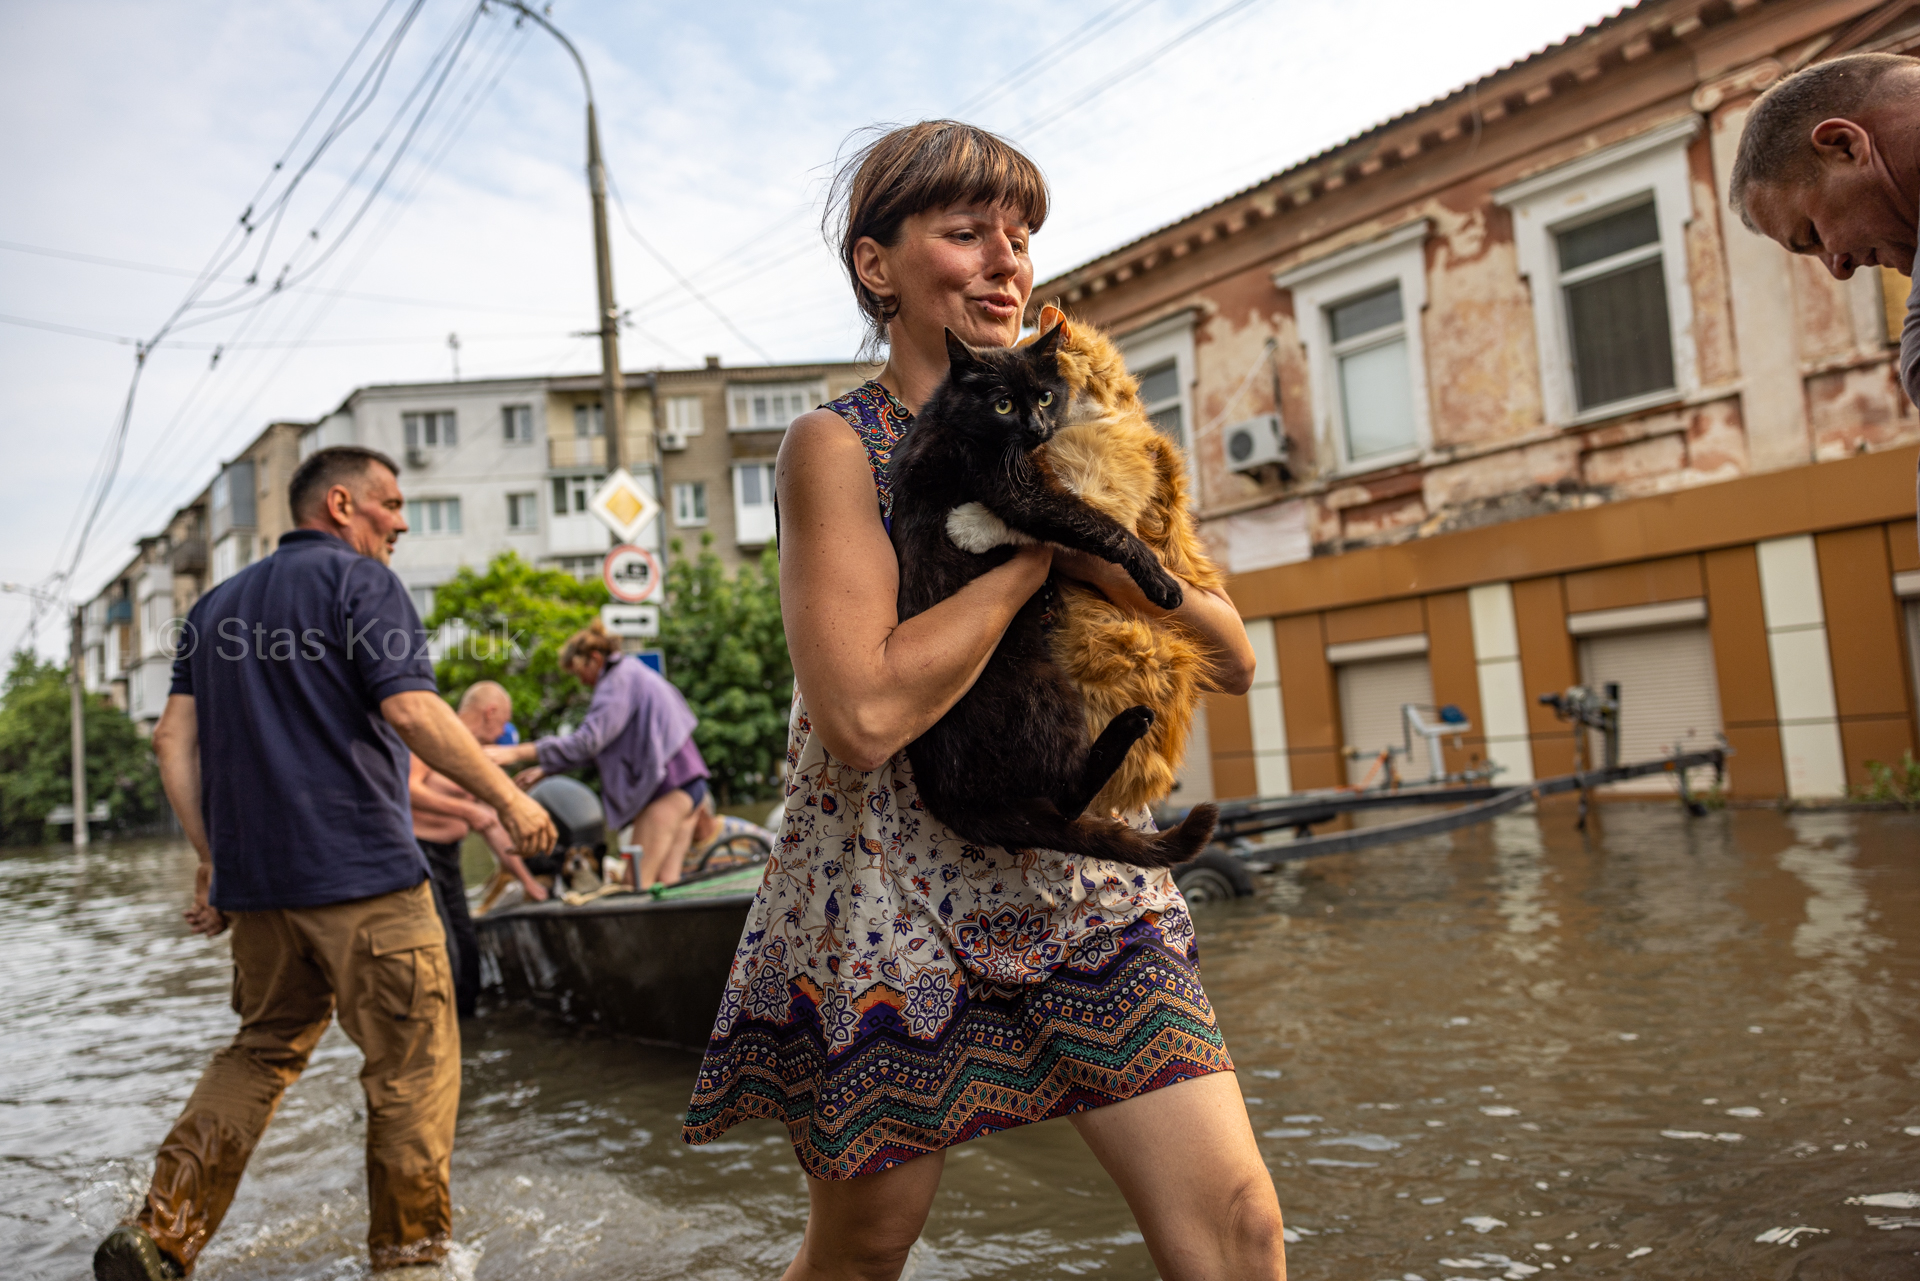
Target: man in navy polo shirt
302,682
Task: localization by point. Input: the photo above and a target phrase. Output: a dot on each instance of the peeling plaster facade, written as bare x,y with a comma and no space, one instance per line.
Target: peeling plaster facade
1784,407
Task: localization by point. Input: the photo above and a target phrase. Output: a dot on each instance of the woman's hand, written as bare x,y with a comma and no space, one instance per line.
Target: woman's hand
528,777
1208,613
872,683
511,754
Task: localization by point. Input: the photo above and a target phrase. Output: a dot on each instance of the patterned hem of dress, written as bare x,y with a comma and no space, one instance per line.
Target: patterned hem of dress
1081,1040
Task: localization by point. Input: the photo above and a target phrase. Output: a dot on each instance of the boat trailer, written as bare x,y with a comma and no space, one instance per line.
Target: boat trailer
1470,798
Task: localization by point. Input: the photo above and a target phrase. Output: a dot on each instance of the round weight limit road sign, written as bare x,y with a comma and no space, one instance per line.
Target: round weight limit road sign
631,574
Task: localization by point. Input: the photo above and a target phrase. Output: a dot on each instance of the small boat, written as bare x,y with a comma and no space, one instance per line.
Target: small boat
649,966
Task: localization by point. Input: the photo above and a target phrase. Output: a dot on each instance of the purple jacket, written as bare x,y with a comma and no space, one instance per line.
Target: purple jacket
634,725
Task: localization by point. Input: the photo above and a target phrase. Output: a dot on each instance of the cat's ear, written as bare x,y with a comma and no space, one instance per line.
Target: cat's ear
1050,316
1050,341
958,353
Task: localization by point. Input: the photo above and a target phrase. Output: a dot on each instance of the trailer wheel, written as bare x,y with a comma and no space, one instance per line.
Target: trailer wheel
1215,876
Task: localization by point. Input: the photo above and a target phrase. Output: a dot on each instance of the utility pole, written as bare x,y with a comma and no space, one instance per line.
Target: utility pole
77,685
613,385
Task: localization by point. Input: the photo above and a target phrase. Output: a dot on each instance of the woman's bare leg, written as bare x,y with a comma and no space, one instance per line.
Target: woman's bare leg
682,842
861,1229
654,832
1187,1164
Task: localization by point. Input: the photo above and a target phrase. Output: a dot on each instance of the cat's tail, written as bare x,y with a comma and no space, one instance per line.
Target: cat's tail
1040,826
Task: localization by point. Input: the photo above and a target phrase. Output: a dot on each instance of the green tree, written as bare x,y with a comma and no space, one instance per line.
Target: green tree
36,754
726,650
515,618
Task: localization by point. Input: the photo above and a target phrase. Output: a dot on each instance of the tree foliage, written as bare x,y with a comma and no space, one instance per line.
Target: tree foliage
36,754
512,619
726,650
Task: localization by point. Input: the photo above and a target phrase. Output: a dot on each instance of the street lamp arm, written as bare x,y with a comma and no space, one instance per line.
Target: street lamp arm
554,31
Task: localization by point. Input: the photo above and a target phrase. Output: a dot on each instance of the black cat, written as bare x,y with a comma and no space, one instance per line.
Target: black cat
1009,764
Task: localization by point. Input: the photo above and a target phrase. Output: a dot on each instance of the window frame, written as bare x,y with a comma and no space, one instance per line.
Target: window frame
448,505
591,482
507,413
1652,164
527,504
1397,258
685,414
741,507
692,489
812,392
413,429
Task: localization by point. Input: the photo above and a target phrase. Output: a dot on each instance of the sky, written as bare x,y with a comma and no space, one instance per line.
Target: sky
140,133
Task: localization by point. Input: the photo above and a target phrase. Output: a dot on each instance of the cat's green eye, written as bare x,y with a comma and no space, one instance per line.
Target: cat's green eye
1046,398
1005,406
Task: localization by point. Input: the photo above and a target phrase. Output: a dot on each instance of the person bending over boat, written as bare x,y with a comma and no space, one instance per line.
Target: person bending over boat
443,814
639,732
898,989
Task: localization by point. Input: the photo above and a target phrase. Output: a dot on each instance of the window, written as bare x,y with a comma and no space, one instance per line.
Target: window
516,422
753,524
685,415
690,503
431,430
430,516
1615,291
571,494
422,601
1160,393
231,555
1359,315
523,512
233,499
589,420
584,568
1161,357
770,406
1602,243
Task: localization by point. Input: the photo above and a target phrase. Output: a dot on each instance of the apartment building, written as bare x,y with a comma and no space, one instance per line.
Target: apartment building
487,465
127,627
491,465
1498,397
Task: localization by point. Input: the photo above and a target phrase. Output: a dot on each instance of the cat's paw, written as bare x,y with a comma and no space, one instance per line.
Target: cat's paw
1162,588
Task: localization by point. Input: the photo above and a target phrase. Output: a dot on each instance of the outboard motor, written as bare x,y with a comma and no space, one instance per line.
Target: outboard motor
577,818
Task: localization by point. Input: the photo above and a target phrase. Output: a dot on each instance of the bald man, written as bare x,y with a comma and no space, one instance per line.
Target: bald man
1829,166
443,814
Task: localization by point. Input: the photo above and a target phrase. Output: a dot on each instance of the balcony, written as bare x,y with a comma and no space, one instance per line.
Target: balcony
190,557
590,451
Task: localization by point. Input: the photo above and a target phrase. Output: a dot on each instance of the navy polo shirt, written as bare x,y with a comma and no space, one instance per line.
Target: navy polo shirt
303,784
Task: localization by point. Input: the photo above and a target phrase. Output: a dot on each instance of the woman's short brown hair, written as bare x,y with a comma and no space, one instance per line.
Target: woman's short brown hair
594,638
902,171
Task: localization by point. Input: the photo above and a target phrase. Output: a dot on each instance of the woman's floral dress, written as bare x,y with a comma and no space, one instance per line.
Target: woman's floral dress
899,989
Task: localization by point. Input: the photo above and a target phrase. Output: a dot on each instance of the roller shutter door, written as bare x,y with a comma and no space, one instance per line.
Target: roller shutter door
1669,696
1913,641
1371,694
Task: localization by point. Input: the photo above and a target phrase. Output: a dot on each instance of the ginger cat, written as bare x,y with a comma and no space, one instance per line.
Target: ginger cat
1110,454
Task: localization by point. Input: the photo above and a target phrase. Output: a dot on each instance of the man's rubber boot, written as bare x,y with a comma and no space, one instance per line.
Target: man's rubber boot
129,1254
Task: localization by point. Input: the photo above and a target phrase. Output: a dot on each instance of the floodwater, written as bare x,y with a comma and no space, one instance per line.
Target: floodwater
1675,1048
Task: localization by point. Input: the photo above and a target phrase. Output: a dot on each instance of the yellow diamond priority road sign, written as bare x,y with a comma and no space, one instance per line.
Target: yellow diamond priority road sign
623,506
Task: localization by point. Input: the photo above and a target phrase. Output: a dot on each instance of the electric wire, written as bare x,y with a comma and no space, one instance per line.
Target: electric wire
1061,110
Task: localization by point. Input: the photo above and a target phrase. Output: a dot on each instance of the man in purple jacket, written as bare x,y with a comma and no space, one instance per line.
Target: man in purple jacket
639,732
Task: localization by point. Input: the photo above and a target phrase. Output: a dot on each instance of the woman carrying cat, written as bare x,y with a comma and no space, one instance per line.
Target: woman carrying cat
898,989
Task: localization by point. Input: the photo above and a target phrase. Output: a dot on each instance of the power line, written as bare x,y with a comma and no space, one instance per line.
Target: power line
127,264
1013,78
660,258
1063,109
116,445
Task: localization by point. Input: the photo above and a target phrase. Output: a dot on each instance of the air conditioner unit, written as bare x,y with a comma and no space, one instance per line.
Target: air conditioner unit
1256,443
673,441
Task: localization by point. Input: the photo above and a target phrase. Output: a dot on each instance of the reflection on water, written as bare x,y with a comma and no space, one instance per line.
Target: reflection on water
1672,1048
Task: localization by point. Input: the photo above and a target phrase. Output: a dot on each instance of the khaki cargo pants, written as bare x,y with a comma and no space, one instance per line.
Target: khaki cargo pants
381,964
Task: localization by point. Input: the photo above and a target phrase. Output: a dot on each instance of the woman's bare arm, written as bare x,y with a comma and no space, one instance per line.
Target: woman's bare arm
872,683
1208,613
